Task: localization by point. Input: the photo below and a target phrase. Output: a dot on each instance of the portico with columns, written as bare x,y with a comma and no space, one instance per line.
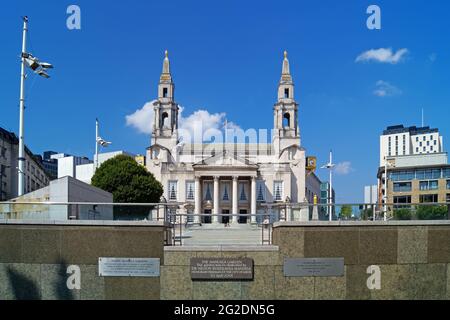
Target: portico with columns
233,192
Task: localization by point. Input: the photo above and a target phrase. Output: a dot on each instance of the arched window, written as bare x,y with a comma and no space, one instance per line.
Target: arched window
287,120
165,120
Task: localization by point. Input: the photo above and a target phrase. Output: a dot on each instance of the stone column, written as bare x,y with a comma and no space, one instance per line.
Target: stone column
235,200
253,199
198,200
215,218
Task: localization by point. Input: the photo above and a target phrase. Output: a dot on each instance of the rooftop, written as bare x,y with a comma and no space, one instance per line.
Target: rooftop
413,130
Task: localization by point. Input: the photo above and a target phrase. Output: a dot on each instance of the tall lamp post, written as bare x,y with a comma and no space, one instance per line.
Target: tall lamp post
27,59
330,165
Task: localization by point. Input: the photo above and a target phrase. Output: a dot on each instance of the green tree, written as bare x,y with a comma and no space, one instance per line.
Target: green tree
402,214
346,212
432,212
129,183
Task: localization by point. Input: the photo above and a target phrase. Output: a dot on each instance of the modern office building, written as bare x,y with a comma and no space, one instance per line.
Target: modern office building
35,175
371,194
417,179
81,168
50,164
325,198
228,177
404,141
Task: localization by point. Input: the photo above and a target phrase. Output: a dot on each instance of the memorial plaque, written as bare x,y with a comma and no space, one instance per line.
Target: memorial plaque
128,267
314,267
221,269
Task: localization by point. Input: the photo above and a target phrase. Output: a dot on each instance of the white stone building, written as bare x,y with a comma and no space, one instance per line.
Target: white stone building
223,177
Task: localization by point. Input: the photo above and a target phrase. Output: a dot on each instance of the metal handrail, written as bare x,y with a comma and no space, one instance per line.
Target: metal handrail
274,204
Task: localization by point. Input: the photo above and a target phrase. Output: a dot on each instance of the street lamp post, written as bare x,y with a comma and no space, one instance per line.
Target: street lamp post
21,159
39,68
330,165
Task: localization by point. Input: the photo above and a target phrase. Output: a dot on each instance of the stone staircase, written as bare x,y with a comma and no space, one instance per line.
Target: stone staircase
218,234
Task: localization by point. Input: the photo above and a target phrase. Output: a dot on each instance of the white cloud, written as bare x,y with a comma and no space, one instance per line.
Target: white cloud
385,89
142,119
382,55
196,124
343,168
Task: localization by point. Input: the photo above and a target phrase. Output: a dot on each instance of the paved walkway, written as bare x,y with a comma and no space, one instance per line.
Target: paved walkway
218,234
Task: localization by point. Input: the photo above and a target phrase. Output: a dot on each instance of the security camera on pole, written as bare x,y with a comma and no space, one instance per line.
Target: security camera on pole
98,141
39,68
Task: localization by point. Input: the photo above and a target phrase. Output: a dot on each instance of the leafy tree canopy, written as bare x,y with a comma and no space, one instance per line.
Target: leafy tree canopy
127,181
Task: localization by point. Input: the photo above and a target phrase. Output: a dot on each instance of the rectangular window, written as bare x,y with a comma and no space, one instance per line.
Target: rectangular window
428,185
190,190
402,176
3,152
208,191
173,190
448,184
402,199
402,187
260,191
286,93
165,92
242,192
424,138
417,139
446,173
428,143
428,198
417,149
448,198
435,142
278,190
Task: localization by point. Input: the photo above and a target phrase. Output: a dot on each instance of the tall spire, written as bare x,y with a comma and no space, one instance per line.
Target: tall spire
285,73
165,75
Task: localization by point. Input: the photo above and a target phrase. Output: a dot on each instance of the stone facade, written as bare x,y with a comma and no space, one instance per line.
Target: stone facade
35,175
227,178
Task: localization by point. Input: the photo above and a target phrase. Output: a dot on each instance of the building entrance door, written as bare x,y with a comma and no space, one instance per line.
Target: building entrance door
207,219
243,219
225,219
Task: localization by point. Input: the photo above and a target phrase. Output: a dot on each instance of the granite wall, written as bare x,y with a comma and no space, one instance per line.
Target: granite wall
34,257
414,259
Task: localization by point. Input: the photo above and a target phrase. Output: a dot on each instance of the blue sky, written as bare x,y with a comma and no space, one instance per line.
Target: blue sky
226,57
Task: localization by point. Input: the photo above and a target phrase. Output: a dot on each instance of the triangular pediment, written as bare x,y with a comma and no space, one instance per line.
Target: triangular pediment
226,160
